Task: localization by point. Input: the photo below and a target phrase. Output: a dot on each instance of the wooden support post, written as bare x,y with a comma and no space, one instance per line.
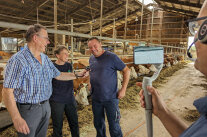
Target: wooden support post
63,40
152,24
72,43
79,46
125,27
37,15
91,29
23,38
140,33
37,3
160,27
147,32
55,23
17,44
114,33
0,43
101,18
181,32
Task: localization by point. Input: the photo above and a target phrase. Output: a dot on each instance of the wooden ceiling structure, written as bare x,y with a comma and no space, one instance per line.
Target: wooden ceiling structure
83,12
167,26
190,8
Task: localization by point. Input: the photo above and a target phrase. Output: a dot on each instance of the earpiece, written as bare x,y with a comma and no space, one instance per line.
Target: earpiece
202,37
202,33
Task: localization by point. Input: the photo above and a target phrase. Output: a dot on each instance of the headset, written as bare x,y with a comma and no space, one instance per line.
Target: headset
201,35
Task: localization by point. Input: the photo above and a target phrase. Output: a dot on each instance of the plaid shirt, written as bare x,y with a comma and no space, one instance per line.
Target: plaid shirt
31,81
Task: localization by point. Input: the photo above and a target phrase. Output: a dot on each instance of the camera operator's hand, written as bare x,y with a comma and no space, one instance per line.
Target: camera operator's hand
172,123
159,106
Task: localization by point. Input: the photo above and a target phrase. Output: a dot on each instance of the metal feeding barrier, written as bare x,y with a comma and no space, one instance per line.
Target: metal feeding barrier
155,56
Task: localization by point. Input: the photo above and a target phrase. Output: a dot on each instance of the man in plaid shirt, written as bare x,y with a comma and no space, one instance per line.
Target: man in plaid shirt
28,84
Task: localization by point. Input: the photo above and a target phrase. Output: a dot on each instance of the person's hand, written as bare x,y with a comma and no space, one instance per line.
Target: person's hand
84,73
121,93
159,106
21,125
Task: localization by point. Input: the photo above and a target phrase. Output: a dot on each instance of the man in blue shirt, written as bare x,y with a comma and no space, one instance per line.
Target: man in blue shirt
28,84
175,126
105,95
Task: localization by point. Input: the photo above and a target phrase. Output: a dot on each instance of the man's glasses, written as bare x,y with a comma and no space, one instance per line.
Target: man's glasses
194,26
43,37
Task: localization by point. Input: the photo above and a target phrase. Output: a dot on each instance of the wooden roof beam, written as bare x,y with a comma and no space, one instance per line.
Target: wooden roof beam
69,13
182,3
180,11
120,18
34,7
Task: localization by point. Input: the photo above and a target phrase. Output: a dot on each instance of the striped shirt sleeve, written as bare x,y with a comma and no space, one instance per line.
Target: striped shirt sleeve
55,71
13,74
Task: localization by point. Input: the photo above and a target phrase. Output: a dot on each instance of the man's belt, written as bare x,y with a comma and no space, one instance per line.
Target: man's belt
40,103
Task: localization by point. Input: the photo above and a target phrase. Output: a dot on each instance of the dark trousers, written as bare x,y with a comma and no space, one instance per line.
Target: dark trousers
37,117
57,111
111,108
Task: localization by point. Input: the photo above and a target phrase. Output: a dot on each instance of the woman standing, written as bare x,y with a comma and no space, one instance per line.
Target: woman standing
62,99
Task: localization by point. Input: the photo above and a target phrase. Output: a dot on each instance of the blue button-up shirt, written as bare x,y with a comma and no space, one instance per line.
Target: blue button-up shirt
198,128
31,81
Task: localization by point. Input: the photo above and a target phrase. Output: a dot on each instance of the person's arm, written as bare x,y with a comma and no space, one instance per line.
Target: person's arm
174,125
10,103
64,76
126,75
13,78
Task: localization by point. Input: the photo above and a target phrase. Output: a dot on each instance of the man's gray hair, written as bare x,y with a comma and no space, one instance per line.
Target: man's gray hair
32,30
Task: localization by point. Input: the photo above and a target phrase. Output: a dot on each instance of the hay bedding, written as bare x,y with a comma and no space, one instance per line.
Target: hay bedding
191,115
130,101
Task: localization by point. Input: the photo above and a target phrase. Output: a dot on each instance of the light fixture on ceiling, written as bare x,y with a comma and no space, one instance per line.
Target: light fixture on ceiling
93,21
136,19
